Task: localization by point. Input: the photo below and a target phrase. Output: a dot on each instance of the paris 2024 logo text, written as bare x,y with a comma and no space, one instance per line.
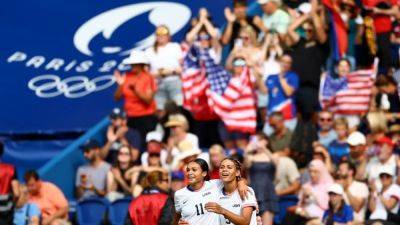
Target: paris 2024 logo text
174,15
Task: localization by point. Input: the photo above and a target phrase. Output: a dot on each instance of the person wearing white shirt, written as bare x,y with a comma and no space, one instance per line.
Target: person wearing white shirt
190,202
384,159
355,193
230,207
384,202
165,64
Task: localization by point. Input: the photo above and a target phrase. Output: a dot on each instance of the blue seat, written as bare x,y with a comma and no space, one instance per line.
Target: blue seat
118,210
284,203
91,211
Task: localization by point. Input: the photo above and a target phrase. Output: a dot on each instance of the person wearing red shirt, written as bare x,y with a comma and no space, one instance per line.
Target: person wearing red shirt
137,87
381,11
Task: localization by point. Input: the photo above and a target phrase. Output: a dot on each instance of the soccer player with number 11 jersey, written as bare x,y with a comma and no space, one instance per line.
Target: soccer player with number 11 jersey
205,202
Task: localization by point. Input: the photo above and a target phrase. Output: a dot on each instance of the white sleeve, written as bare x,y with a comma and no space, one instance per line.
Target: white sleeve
216,183
250,200
178,51
177,202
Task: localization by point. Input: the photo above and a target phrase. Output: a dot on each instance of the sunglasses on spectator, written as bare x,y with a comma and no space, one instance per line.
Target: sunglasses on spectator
204,37
154,155
384,175
239,62
123,153
162,31
325,119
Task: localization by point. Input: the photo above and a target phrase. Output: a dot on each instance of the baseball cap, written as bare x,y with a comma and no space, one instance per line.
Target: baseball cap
384,140
177,176
356,138
90,144
154,136
386,170
336,188
261,2
117,113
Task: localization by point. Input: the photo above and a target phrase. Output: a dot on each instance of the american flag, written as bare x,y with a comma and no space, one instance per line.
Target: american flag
194,86
236,104
349,95
209,89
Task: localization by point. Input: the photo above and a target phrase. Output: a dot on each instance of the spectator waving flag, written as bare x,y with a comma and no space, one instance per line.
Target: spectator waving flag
233,100
349,95
194,85
338,32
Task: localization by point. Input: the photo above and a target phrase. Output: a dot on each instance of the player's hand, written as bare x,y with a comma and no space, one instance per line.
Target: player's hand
183,222
214,207
243,189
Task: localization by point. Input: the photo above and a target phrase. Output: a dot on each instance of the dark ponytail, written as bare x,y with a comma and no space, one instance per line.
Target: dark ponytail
204,167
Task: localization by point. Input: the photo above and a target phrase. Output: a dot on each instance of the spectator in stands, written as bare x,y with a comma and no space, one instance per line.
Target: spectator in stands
338,212
313,197
165,58
154,145
274,19
287,177
384,201
358,154
9,189
25,213
311,50
281,89
388,98
261,169
91,179
50,199
138,173
177,178
384,159
179,127
216,155
246,47
339,148
206,36
326,133
355,193
118,185
321,153
236,20
154,206
138,87
381,13
281,136
118,134
272,52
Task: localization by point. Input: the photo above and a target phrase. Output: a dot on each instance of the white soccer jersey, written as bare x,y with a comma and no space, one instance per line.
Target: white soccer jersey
235,204
191,204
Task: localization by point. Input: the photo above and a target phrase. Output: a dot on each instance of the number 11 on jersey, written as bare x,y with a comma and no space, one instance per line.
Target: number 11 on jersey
199,209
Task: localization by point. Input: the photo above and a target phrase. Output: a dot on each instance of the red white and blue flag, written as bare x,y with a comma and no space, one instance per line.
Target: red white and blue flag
209,89
349,95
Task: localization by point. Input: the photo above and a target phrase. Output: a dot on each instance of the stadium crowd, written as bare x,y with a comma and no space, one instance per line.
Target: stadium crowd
322,130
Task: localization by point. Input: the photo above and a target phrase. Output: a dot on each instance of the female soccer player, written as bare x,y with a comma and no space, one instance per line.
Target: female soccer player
231,208
190,201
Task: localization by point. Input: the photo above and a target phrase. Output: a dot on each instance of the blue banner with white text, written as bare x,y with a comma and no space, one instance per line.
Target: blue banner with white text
57,57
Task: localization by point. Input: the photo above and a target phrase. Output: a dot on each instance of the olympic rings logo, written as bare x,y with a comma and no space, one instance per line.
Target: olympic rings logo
50,86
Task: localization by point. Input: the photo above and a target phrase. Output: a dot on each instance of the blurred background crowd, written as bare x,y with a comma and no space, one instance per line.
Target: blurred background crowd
305,95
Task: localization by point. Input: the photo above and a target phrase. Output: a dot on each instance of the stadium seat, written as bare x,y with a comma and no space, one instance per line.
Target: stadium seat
91,211
284,203
118,210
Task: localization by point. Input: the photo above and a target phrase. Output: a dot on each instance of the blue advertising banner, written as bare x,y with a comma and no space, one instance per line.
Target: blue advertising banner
57,57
